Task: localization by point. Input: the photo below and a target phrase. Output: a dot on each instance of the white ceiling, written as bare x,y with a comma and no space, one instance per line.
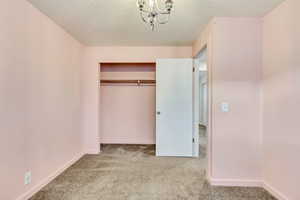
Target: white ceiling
117,22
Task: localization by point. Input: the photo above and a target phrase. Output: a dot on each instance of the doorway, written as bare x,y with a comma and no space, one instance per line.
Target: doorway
201,104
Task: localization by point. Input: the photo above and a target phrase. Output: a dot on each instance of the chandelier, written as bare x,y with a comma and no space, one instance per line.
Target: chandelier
152,14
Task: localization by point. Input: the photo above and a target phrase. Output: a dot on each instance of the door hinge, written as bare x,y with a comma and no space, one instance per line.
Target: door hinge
193,69
193,140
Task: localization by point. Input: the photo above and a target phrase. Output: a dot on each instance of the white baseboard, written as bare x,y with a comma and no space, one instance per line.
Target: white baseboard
92,151
236,182
213,181
274,192
48,179
247,183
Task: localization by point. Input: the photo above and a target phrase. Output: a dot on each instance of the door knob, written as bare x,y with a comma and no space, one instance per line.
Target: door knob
158,112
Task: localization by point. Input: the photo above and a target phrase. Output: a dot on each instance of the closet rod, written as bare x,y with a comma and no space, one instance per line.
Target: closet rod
130,81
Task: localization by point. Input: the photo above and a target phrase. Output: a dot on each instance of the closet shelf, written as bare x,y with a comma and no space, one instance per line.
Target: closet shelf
138,82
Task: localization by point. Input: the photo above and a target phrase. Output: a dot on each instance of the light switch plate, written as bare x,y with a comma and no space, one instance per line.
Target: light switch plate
225,107
27,178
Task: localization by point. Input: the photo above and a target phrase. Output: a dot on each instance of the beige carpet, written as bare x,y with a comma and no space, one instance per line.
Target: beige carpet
131,172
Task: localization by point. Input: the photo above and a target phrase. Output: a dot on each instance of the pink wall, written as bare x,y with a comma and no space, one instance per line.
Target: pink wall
255,143
40,68
281,98
90,75
234,61
40,98
127,111
236,74
12,103
204,40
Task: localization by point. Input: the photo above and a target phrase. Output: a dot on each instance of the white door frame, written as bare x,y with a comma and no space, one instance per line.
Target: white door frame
196,107
207,46
197,100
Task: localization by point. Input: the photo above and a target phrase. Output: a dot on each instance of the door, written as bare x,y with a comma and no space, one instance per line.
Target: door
174,104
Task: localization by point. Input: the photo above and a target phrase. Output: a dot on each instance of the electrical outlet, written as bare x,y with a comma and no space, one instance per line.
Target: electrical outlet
27,178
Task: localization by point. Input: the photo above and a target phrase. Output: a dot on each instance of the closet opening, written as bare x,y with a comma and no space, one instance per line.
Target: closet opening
127,104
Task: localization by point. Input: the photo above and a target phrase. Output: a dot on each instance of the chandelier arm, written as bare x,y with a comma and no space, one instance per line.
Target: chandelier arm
159,10
145,7
145,11
164,21
164,13
143,18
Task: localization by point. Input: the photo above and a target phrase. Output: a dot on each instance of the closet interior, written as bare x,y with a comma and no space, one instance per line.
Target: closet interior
127,103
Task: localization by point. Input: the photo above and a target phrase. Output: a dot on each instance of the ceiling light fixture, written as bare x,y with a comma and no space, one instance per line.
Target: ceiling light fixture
152,14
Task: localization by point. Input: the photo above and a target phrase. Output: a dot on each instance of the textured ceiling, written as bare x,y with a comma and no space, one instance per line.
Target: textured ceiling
117,22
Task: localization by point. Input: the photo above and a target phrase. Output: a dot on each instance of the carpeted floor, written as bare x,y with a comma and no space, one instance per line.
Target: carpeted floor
132,172
202,142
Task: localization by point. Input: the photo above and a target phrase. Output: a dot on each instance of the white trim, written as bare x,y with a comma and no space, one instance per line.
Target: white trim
236,182
92,151
48,179
196,110
274,192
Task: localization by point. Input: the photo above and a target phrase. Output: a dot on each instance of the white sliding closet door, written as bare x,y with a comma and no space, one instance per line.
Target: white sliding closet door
174,107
